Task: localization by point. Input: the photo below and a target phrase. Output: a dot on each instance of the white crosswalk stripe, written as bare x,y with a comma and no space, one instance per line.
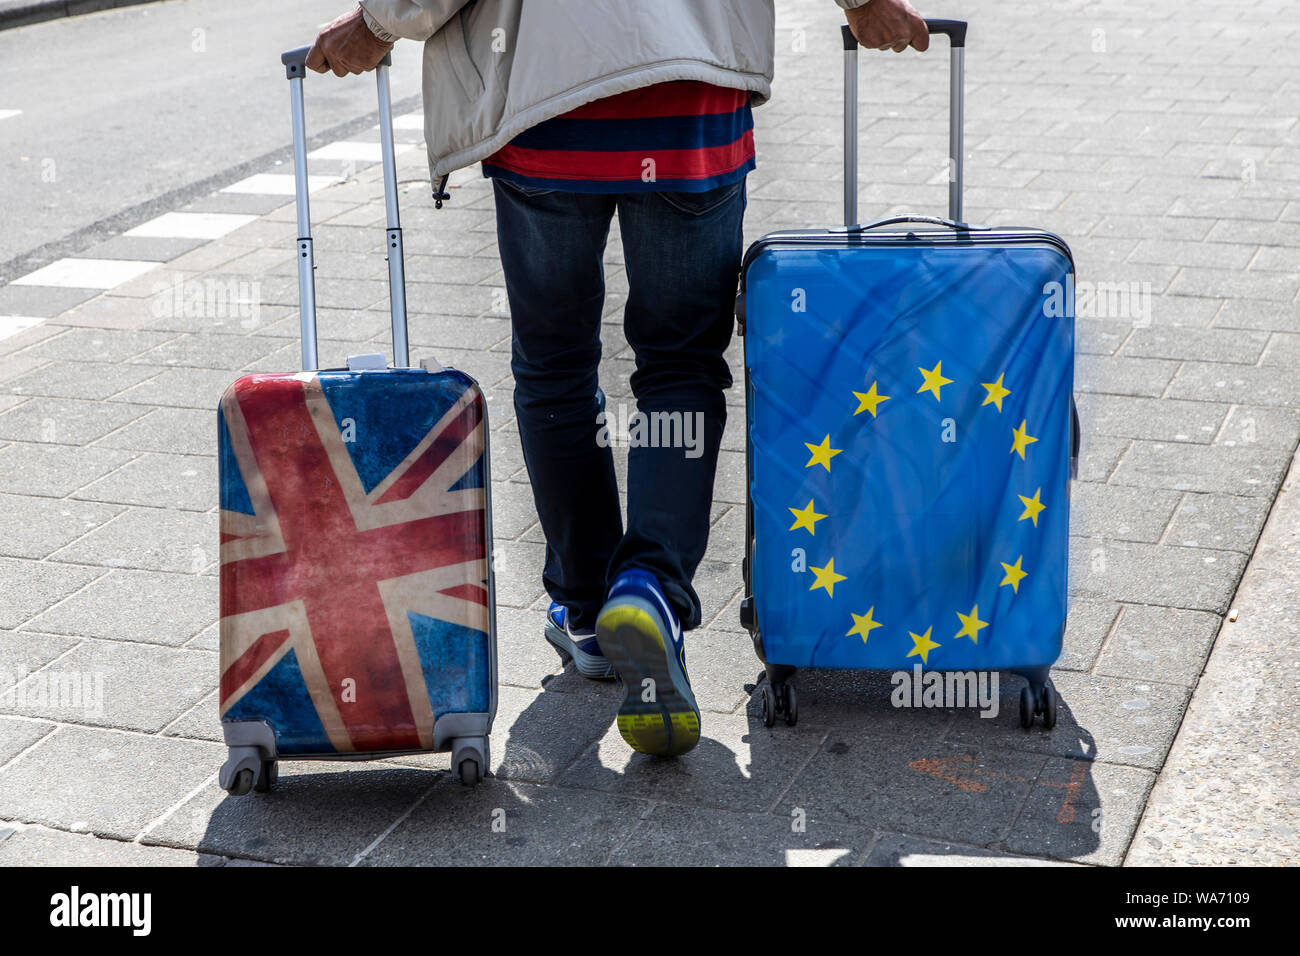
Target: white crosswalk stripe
277,184
355,152
86,273
13,324
190,225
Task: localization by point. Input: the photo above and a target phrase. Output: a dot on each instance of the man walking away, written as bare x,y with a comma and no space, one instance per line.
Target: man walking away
578,109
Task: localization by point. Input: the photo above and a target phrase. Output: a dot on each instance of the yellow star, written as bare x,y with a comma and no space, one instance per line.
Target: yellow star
1021,439
869,401
1014,574
996,392
1032,507
827,578
971,624
806,518
922,645
864,624
822,453
934,380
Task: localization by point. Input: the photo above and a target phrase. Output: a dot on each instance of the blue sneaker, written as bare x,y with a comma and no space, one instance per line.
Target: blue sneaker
641,636
580,646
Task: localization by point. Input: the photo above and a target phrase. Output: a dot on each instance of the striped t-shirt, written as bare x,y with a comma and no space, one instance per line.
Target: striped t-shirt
683,136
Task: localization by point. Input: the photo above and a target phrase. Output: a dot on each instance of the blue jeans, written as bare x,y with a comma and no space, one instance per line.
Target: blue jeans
682,252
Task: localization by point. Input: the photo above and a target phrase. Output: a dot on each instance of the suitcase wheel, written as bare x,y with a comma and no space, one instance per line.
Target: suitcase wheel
1027,708
243,783
1033,704
469,759
778,700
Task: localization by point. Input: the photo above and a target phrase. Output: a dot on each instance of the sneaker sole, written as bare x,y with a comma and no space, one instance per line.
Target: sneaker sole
591,666
630,636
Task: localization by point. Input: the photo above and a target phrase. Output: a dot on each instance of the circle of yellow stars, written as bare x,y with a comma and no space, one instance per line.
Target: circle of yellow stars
821,453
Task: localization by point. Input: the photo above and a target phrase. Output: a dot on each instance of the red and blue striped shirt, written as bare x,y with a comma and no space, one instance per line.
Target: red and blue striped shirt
683,136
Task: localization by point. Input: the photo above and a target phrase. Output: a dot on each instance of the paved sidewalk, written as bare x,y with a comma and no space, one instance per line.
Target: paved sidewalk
1161,142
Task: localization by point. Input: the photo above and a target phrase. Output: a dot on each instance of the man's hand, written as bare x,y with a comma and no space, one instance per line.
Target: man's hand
347,46
887,25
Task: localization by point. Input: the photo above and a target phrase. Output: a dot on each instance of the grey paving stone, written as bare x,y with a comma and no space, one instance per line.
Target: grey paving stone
40,846
1081,811
319,814
1258,314
54,470
913,784
1248,425
525,659
184,431
1283,350
1120,375
213,351
1159,644
1194,578
1203,345
454,826
1225,522
1235,383
22,652
513,510
1227,284
1109,719
893,849
1222,255
518,567
111,684
1125,514
41,300
136,778
147,607
33,527
87,380
32,586
690,836
1099,455
200,722
181,388
151,539
1087,624
1242,470
1153,419
17,733
66,421
187,482
97,345
107,312
737,765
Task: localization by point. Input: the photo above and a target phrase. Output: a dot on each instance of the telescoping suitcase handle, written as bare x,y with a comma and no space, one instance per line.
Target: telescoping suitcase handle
295,68
955,31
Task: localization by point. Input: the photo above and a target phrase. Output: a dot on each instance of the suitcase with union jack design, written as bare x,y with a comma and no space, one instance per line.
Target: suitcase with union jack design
911,439
357,615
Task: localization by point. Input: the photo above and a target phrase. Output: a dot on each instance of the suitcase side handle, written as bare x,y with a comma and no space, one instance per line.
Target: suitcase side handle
955,31
295,68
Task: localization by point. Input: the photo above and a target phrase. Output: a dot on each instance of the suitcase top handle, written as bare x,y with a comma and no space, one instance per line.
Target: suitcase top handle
955,31
295,61
295,69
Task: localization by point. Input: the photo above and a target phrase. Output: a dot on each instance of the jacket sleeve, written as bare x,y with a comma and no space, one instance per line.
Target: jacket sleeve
851,4
391,20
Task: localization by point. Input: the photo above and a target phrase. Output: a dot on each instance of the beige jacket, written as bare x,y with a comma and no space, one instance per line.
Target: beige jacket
494,68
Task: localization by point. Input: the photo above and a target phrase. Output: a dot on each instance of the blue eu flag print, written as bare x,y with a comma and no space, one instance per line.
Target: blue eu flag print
910,429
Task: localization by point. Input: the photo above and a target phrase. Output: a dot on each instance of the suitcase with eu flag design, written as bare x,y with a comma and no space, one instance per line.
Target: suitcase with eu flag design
911,439
357,616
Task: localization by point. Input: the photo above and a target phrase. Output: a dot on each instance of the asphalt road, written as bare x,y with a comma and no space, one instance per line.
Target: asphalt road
121,108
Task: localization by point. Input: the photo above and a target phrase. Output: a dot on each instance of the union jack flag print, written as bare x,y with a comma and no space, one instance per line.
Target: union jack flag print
354,576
